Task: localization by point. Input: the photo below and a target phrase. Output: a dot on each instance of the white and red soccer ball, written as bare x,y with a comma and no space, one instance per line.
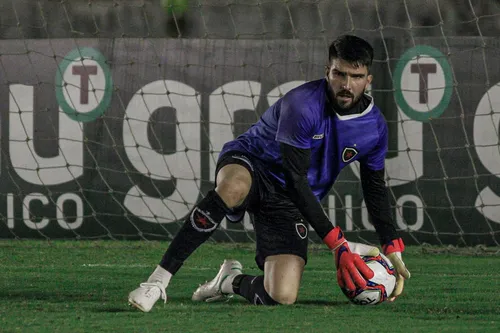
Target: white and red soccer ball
380,287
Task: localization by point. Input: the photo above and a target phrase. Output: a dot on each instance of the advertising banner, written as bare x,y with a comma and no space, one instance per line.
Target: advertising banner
118,138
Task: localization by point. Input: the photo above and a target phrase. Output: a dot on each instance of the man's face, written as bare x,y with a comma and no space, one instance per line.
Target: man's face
347,82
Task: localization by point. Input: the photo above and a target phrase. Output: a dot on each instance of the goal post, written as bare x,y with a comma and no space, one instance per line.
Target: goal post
111,132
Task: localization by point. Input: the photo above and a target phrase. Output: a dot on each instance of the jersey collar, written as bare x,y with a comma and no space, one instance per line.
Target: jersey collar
359,114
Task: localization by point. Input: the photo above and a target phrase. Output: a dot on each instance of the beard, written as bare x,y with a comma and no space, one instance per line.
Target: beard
345,100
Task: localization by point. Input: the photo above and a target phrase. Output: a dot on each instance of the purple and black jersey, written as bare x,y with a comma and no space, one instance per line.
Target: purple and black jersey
304,119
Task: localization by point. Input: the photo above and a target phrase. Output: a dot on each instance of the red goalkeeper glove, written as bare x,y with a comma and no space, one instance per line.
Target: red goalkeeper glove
393,251
352,271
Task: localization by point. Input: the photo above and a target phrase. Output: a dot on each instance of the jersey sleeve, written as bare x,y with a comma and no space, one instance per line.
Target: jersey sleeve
296,123
296,162
375,160
377,202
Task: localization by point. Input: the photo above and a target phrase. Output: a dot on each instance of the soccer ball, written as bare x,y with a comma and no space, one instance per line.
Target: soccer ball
380,287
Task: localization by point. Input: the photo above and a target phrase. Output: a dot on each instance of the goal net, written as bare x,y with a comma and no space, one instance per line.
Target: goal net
114,112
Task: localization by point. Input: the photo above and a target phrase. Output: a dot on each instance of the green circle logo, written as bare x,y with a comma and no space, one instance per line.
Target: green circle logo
423,83
84,85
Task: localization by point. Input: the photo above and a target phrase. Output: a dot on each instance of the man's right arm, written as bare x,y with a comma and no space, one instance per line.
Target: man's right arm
296,163
351,269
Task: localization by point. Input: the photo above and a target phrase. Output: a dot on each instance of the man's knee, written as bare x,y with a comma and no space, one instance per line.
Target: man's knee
282,276
285,296
233,184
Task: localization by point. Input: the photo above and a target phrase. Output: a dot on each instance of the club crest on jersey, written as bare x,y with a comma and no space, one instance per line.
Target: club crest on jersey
301,230
201,221
348,154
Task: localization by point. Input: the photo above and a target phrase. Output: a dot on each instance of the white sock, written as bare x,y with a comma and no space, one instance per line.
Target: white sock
227,285
160,274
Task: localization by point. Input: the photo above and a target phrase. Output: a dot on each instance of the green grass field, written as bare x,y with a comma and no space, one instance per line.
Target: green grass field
82,286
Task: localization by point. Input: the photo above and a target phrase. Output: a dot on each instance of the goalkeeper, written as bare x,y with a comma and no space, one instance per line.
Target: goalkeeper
279,170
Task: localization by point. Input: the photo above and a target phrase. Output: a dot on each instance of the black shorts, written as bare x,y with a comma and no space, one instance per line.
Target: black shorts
279,226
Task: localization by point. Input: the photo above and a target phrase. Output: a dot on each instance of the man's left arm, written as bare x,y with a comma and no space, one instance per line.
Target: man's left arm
377,202
379,209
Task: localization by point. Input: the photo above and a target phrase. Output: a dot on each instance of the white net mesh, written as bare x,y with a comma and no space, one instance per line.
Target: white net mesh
115,111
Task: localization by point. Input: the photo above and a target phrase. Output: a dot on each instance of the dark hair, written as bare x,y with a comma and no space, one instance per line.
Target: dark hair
352,49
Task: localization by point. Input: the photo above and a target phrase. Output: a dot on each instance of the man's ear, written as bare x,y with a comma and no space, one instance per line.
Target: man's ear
369,80
327,70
